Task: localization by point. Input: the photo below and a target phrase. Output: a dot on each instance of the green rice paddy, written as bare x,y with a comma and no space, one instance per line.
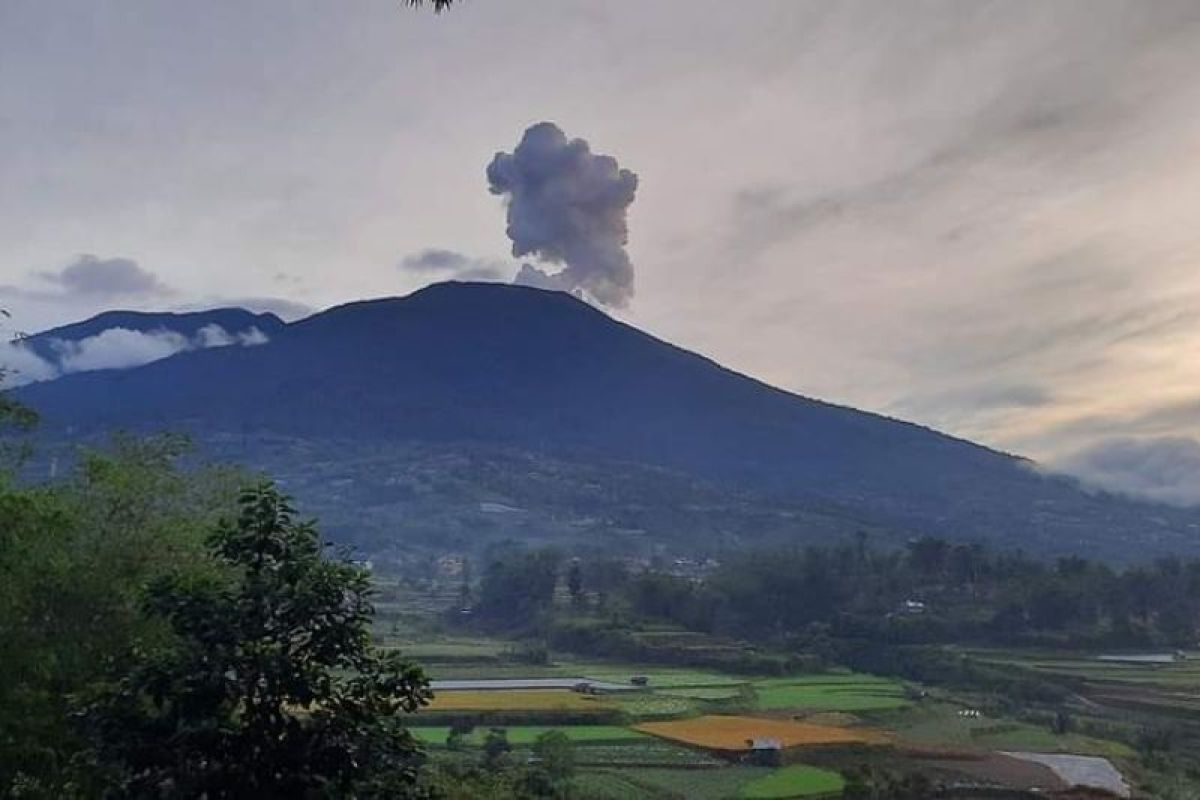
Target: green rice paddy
794,781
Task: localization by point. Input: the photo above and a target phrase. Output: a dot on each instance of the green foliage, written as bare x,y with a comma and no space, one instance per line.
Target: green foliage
269,685
555,752
496,748
74,558
818,694
934,591
868,783
518,587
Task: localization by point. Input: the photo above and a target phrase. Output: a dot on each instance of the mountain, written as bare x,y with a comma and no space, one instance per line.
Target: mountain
479,375
186,324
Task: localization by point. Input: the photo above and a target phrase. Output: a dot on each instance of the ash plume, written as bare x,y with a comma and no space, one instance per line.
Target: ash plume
567,206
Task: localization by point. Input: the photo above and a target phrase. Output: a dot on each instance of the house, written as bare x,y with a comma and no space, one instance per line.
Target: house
913,607
765,751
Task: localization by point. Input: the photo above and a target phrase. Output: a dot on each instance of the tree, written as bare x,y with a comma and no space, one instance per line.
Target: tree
438,5
75,556
518,587
269,686
555,753
496,748
575,583
14,418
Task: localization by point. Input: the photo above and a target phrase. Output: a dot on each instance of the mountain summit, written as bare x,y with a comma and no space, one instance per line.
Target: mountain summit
470,365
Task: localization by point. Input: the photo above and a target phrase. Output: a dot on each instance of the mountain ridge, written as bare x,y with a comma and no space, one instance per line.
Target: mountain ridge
489,365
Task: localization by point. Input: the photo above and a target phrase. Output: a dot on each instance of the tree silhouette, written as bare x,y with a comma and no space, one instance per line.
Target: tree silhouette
269,686
438,5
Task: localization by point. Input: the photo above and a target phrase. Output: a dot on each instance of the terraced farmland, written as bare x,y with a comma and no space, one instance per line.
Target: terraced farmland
797,780
528,734
735,733
830,693
517,700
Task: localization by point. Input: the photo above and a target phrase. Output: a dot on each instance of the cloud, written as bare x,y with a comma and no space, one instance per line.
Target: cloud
567,205
215,336
1165,469
106,277
114,348
19,365
451,263
118,348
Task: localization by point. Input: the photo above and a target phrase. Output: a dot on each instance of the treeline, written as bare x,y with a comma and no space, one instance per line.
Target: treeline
932,591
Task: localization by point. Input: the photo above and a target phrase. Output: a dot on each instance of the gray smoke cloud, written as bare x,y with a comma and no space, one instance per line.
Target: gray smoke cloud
106,277
114,348
567,205
451,263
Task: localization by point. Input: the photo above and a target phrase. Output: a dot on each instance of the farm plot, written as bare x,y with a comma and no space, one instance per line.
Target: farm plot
528,734
604,784
517,700
941,725
646,752
794,781
651,706
709,693
735,733
830,693
695,784
658,677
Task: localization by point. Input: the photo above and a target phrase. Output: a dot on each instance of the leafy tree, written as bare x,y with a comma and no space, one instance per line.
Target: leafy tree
518,587
14,418
575,583
269,687
496,748
74,559
555,753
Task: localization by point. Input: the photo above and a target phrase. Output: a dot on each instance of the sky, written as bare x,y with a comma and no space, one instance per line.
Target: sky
981,217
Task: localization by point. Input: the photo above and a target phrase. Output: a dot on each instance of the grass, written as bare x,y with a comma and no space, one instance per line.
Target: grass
733,733
517,700
830,693
794,781
528,734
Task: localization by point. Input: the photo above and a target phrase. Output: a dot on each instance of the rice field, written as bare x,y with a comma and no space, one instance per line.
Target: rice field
517,700
648,706
734,733
704,692
830,693
528,734
645,752
695,784
794,781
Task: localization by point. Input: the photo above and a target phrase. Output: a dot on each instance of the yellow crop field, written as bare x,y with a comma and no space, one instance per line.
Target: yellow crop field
516,700
735,733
